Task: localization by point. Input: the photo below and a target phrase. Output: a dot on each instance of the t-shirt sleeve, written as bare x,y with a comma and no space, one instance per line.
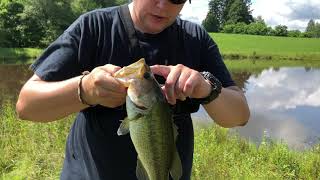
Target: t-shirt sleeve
212,61
60,60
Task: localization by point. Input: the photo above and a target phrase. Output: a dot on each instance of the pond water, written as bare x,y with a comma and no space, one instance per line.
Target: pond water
284,102
12,78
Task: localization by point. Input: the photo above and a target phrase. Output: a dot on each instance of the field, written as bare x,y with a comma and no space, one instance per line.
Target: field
234,46
36,151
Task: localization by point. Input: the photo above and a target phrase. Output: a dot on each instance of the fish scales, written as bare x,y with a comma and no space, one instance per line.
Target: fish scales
150,136
150,124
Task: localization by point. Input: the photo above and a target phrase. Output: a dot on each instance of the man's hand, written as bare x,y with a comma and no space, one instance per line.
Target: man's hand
100,87
182,82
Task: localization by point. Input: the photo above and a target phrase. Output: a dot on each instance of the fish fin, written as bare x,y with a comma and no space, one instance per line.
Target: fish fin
141,171
124,127
176,166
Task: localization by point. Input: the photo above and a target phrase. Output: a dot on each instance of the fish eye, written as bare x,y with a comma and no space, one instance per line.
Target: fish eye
146,75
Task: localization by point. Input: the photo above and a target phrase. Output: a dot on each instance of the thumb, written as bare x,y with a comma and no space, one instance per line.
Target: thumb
111,68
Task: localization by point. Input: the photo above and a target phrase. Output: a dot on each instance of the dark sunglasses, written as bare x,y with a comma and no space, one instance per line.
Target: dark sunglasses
179,1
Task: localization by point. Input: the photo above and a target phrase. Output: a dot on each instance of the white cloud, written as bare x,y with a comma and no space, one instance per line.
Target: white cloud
293,13
196,11
284,89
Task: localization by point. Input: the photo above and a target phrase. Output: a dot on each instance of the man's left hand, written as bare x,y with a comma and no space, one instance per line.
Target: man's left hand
182,82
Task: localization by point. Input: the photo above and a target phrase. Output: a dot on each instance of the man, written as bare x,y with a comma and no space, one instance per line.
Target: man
98,42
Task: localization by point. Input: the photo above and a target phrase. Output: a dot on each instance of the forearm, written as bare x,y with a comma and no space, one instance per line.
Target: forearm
48,101
230,109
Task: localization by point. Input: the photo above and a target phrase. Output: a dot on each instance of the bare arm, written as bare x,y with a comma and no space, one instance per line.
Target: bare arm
48,101
230,108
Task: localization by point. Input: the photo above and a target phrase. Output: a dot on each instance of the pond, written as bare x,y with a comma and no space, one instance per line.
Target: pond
12,78
284,102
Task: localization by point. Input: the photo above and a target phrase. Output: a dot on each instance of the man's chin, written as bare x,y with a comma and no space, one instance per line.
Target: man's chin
156,29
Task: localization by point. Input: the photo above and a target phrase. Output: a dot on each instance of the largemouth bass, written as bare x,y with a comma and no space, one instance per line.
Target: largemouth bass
150,124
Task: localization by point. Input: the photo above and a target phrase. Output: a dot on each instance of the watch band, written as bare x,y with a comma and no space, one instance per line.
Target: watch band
216,87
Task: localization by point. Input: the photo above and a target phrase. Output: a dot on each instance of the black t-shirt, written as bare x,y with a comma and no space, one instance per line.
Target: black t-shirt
94,150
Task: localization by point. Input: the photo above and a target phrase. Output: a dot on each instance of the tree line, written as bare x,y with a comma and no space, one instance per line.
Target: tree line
36,23
234,16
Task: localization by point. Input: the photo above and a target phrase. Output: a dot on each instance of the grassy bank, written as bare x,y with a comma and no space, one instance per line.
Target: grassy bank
18,55
258,65
232,46
221,156
239,46
35,151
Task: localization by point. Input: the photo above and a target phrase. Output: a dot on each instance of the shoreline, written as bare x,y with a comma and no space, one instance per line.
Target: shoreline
22,56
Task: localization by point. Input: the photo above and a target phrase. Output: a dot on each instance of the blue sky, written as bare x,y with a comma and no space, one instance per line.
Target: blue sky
293,13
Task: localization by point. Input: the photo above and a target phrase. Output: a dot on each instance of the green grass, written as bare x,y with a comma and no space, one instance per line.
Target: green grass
219,155
19,55
30,150
236,46
232,46
35,151
258,65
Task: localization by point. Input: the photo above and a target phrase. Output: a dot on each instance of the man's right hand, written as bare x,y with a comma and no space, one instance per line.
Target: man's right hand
100,87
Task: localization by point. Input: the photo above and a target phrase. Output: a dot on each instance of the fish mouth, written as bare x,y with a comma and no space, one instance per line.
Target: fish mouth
134,78
133,71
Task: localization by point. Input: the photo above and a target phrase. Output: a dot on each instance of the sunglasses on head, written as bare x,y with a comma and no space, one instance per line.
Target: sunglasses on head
179,1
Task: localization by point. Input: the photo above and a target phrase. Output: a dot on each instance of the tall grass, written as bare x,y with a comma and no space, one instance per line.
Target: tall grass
219,155
267,47
30,150
35,151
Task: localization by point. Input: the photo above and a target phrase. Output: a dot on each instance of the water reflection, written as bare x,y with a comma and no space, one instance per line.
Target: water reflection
285,104
12,78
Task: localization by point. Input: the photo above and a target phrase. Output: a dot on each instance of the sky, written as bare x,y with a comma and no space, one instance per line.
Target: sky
295,14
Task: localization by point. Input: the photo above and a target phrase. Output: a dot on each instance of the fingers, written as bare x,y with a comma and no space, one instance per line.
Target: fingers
103,79
189,82
181,82
172,93
101,88
109,68
161,70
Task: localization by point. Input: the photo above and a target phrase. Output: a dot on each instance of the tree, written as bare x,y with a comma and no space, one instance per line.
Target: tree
240,28
211,24
10,21
216,11
231,11
311,26
294,33
82,6
281,30
313,29
257,28
54,16
238,12
36,23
